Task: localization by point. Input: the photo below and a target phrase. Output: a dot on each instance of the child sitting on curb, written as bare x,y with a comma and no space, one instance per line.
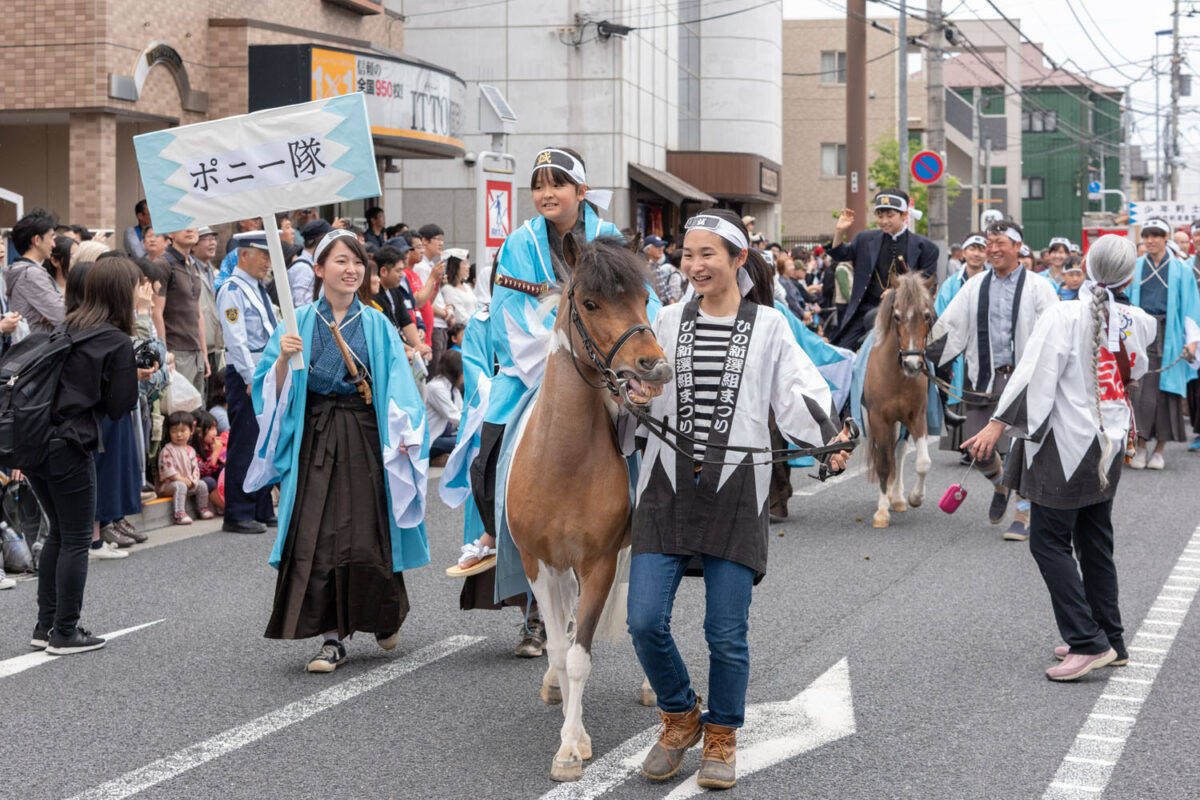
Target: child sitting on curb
179,470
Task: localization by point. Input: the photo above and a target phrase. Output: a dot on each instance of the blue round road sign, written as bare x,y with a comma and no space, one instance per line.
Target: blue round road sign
927,166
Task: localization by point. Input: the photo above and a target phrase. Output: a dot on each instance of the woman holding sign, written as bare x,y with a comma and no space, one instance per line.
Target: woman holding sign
345,439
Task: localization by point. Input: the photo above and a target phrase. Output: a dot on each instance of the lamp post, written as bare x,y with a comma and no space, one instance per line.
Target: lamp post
1157,121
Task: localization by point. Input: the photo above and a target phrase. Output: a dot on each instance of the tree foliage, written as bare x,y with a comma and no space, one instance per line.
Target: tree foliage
885,171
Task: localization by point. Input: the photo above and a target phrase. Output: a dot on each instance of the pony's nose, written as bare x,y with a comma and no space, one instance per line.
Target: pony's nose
646,363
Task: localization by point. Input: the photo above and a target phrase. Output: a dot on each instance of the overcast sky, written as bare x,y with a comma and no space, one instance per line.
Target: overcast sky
1129,26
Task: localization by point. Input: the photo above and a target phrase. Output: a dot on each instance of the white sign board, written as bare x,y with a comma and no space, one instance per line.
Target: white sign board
1175,212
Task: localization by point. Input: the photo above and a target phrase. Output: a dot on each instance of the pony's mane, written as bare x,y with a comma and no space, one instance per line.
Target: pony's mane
607,269
909,296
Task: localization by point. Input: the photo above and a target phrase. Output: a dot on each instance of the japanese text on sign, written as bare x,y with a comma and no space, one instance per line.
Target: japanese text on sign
269,164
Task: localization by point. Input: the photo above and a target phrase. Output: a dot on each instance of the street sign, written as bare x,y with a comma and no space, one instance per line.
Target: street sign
927,166
493,206
499,212
1095,188
1176,212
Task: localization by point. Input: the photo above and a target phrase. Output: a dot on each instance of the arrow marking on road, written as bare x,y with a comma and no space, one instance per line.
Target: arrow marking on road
233,739
30,660
773,733
1086,769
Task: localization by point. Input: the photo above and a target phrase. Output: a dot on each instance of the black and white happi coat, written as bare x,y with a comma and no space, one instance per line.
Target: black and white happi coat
1050,406
964,328
723,512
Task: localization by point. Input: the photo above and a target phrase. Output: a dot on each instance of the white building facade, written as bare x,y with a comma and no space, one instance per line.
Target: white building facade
671,110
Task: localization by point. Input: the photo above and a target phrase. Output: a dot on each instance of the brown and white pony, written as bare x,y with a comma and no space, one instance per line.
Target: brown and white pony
895,392
567,502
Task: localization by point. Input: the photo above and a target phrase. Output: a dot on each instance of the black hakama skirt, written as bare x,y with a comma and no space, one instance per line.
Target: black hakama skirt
336,569
1159,414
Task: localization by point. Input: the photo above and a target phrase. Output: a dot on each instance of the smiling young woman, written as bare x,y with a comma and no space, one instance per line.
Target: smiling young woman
712,506
350,464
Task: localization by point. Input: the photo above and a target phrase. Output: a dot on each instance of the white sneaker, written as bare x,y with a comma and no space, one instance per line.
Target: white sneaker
106,551
1139,460
1156,462
6,583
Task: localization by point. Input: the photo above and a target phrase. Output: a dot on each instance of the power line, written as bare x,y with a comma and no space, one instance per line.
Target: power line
1100,52
834,71
707,19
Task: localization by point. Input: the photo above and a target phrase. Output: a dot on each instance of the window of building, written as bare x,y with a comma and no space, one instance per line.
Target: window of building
1039,121
999,176
833,66
1033,189
833,160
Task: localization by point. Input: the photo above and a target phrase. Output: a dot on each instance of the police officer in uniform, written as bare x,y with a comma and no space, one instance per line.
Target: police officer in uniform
247,321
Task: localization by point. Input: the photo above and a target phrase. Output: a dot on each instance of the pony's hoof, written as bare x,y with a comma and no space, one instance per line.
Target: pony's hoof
880,520
551,695
915,500
648,698
899,505
564,771
585,747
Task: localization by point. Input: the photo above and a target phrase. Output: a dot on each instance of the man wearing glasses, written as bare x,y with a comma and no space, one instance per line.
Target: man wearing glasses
181,314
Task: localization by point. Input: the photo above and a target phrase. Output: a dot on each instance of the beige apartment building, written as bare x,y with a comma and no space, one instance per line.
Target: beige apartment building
85,76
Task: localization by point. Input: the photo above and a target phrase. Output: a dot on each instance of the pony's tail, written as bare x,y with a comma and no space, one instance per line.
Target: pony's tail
1099,331
611,625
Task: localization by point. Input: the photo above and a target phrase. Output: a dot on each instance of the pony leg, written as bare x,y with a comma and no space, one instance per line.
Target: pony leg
551,690
593,593
556,592
917,496
896,487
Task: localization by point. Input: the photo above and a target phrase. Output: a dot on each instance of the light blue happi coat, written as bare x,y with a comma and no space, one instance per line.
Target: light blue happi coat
455,486
399,413
945,294
933,403
1183,320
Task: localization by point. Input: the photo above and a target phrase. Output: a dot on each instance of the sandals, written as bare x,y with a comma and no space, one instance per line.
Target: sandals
476,550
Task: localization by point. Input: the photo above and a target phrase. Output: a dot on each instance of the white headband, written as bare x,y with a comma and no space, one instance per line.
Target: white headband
893,202
1057,240
721,227
1010,232
569,165
329,239
974,240
1156,225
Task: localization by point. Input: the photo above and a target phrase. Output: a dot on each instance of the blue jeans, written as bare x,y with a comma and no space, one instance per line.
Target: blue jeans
653,581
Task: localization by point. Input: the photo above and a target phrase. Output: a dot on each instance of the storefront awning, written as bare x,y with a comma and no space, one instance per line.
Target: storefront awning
663,183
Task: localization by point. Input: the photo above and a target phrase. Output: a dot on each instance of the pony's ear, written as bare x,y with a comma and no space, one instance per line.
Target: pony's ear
635,242
570,249
930,283
894,280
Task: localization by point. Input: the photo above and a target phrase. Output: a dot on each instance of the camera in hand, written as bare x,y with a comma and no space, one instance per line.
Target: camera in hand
145,354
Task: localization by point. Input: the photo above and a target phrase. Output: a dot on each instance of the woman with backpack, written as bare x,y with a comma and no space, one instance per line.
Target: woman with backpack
98,377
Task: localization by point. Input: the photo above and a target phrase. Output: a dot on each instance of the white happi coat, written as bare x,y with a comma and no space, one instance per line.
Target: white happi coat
723,513
1049,405
957,330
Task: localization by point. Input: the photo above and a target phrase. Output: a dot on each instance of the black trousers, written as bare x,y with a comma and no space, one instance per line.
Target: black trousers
483,474
1085,609
243,433
65,485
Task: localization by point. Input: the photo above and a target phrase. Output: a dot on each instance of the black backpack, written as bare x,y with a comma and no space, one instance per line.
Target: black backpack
29,376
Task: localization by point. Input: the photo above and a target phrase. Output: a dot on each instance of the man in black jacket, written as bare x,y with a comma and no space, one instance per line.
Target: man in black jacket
877,254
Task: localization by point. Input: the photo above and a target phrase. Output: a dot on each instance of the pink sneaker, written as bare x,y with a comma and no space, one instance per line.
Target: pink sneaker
1075,666
1063,650
182,519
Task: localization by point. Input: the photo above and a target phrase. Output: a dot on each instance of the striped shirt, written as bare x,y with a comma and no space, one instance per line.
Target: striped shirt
708,362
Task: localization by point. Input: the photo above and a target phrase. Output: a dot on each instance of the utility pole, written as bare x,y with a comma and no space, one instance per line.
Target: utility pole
987,175
935,132
1126,153
977,163
1173,161
902,96
856,112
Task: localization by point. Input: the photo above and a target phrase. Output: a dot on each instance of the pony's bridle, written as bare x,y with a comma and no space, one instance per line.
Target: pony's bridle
602,363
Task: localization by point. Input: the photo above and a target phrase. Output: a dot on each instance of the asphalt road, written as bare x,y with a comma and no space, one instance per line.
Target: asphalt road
944,630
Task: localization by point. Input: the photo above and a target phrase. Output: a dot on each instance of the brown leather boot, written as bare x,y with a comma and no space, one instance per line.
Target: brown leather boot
718,765
678,733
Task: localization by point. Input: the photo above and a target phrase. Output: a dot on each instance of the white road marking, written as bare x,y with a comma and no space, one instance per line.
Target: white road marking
848,475
233,739
1088,766
774,732
12,666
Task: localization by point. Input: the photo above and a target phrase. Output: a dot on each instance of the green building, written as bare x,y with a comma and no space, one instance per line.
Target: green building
1070,135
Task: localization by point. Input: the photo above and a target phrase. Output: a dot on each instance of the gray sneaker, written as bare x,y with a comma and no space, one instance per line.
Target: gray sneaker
110,535
125,527
678,733
533,640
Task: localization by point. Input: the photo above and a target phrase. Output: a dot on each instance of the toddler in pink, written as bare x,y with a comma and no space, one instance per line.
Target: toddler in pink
179,470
